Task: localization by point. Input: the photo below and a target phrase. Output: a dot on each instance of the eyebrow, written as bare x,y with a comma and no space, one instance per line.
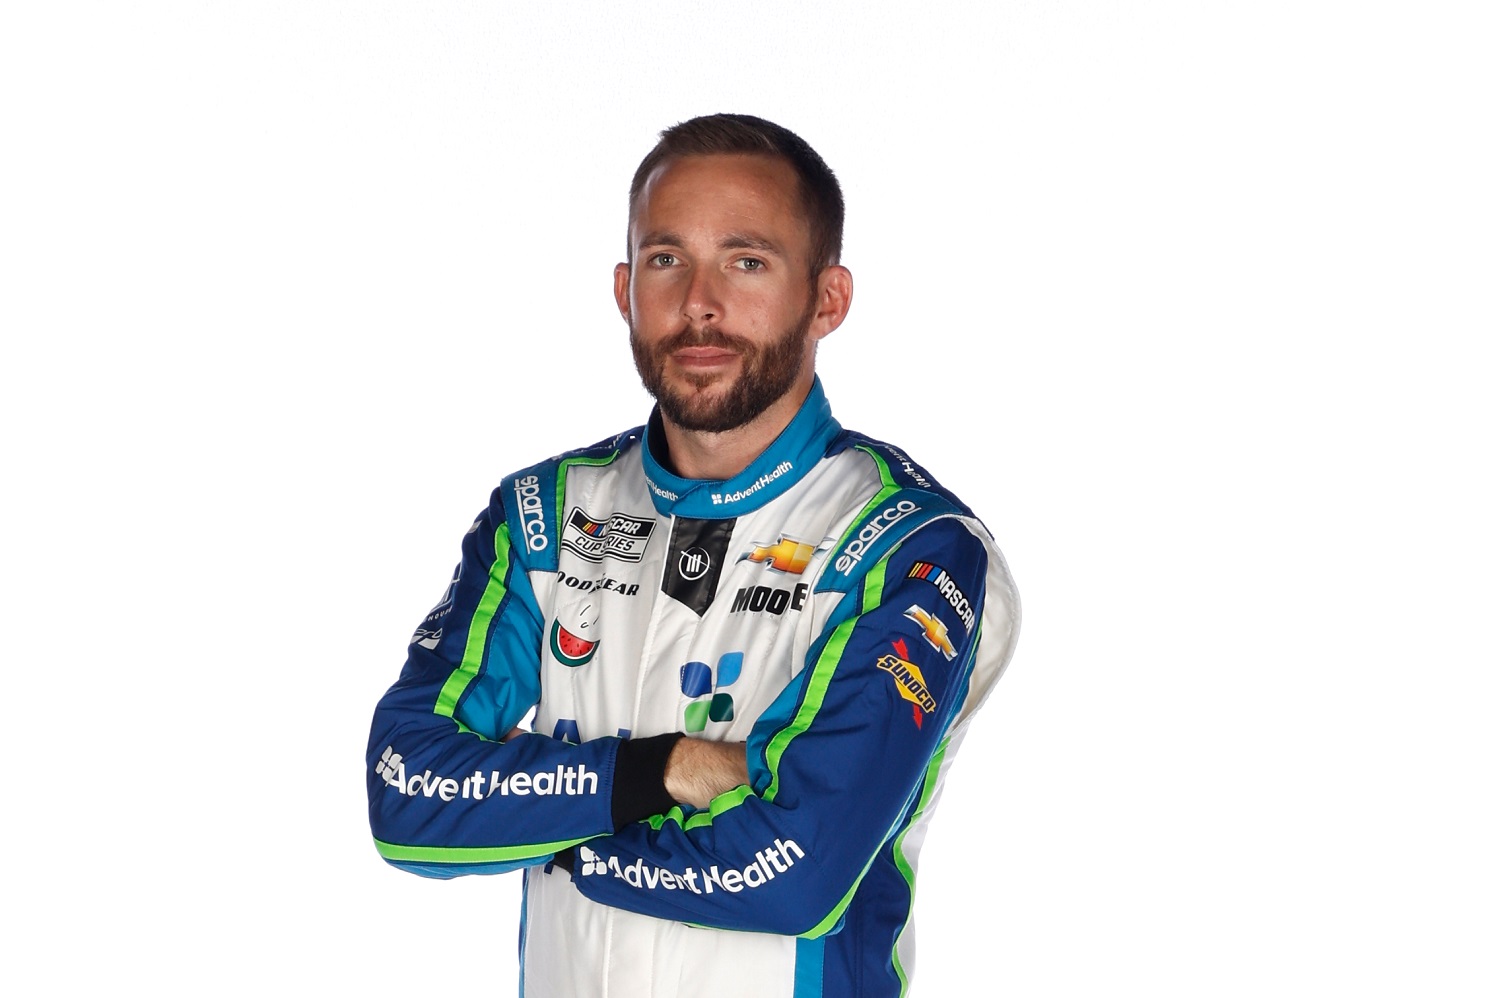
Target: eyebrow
735,240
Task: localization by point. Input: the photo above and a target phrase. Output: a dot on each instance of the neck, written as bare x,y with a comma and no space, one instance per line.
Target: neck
720,456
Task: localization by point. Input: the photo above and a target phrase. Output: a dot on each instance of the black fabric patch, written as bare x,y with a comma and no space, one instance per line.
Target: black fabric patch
694,560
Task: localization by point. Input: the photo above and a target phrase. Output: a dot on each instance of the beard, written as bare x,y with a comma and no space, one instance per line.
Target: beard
767,373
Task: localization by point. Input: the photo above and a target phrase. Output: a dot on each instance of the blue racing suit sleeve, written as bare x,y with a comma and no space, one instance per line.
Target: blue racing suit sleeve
838,762
449,794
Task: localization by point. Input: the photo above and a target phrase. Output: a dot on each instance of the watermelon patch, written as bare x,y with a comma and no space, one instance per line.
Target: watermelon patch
570,649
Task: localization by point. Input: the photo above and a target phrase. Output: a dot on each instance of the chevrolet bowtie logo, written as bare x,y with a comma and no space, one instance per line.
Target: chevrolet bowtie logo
786,555
934,630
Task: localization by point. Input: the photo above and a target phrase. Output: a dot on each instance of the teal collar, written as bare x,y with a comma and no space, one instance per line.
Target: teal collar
780,466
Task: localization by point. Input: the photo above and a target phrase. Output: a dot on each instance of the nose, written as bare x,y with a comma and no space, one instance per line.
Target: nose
703,301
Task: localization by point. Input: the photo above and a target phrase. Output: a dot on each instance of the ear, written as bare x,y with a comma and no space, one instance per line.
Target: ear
835,291
622,289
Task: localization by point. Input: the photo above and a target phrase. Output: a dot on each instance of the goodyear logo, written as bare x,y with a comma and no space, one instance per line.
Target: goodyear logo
933,630
787,555
909,681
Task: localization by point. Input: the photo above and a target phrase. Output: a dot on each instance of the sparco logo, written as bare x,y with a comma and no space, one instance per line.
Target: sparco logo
619,536
779,857
855,550
570,781
720,498
533,523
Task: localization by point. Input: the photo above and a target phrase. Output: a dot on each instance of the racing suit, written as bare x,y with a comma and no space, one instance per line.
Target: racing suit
831,606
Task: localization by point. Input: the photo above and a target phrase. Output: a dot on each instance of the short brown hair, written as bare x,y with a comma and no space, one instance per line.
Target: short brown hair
720,134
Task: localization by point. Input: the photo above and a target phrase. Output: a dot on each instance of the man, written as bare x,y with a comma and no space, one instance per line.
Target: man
752,639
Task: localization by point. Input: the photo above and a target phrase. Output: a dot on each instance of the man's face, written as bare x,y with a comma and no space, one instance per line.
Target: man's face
719,298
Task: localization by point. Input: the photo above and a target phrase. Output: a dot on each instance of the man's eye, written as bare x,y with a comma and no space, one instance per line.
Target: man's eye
749,263
663,259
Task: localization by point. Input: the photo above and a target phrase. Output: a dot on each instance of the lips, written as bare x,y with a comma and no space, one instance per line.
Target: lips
702,348
703,356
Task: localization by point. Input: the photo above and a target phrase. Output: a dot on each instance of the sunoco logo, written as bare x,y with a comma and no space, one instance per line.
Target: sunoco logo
909,681
855,550
777,858
533,521
619,536
569,781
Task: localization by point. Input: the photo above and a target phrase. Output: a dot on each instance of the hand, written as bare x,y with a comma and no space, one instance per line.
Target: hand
698,770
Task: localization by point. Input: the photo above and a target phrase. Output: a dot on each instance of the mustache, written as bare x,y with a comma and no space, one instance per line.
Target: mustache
703,337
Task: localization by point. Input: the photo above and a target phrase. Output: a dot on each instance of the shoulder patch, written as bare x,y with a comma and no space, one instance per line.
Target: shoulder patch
873,535
533,497
899,470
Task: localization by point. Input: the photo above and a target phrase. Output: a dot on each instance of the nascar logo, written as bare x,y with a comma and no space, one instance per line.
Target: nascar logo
939,577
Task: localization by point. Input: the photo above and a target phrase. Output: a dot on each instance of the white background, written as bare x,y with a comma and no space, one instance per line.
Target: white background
1192,301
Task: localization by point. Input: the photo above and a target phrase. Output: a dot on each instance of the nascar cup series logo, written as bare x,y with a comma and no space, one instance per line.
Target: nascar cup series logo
533,520
617,536
871,532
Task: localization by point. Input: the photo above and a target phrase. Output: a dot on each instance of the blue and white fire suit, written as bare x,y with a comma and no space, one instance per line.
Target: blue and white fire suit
831,606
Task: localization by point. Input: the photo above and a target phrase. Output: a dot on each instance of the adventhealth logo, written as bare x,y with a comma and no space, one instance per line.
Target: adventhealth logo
592,864
779,857
569,781
721,498
699,681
